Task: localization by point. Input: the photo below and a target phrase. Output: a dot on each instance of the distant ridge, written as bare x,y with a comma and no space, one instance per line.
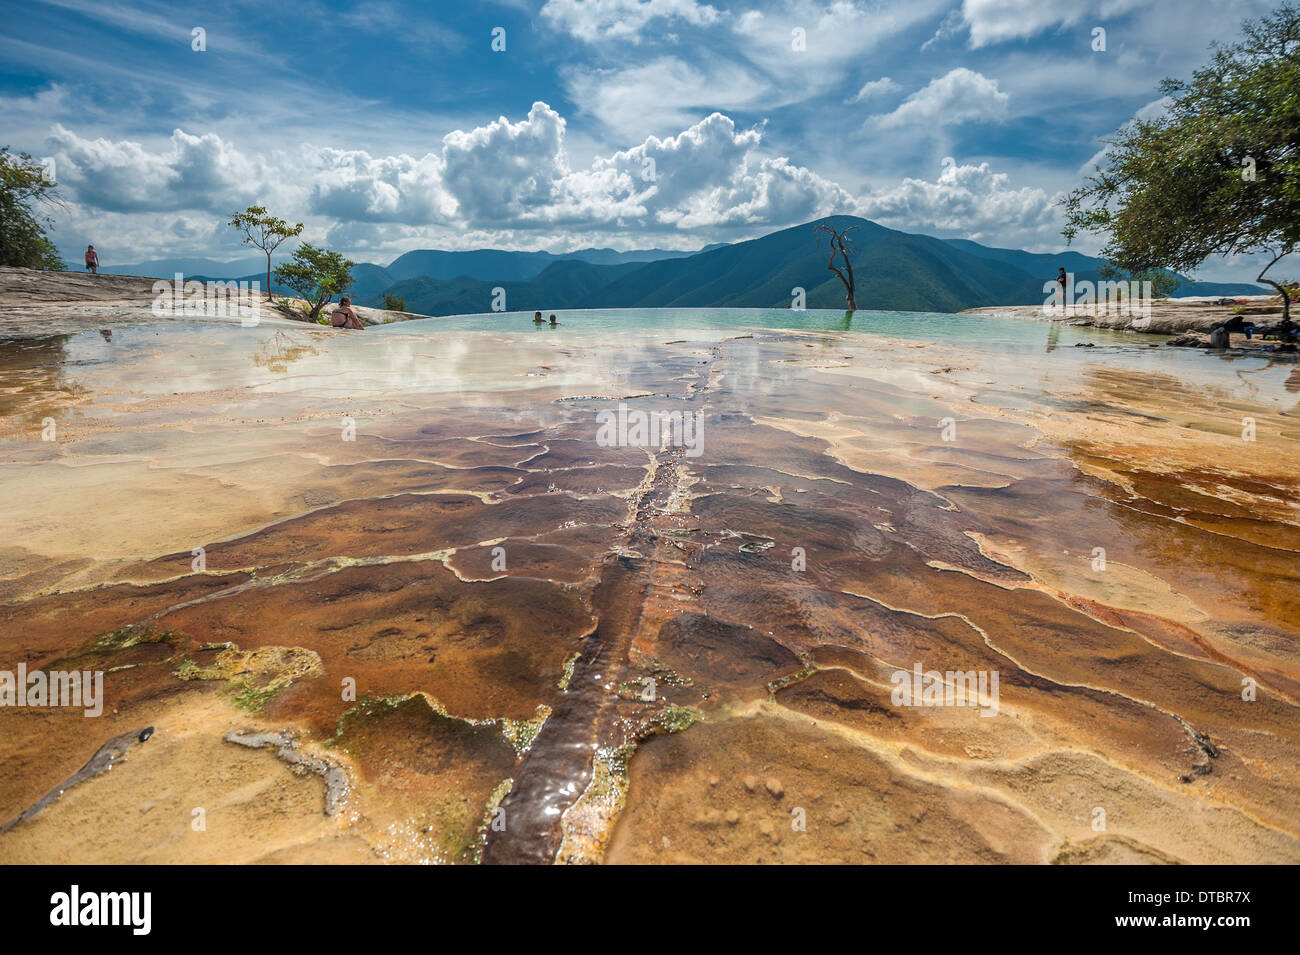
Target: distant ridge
895,270
166,268
497,264
504,266
1086,268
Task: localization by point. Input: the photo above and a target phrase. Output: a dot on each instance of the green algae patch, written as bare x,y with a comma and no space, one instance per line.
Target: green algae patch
492,819
789,678
130,637
665,674
518,733
254,677
644,689
365,710
253,699
674,719
521,733
609,775
588,822
569,663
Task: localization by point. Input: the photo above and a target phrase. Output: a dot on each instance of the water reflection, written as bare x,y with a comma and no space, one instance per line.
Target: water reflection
35,377
1053,337
281,350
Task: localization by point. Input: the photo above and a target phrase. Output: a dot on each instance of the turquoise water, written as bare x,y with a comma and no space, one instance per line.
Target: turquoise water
919,326
420,355
213,354
992,338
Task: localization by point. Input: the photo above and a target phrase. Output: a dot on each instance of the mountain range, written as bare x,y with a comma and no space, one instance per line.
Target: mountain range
895,270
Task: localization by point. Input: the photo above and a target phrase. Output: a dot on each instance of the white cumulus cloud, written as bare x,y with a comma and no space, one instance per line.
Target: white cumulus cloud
193,172
959,96
971,201
503,178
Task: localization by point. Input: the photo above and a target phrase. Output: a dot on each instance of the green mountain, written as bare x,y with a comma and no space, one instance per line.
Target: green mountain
370,282
894,270
499,265
1087,268
488,264
565,284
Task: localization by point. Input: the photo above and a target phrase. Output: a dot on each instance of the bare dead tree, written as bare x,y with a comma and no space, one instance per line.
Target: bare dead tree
843,248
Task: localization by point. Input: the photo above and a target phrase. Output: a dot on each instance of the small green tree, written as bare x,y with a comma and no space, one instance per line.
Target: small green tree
1218,174
394,303
317,275
1163,283
24,188
265,232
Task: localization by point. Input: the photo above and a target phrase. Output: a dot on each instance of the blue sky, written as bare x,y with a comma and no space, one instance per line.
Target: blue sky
388,126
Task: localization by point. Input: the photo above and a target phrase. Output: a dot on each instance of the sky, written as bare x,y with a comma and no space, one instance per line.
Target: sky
564,124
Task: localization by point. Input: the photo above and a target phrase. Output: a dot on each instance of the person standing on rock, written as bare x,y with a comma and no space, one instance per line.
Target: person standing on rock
1061,280
92,260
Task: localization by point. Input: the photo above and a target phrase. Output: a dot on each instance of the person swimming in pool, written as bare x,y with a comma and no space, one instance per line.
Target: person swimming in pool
553,321
537,318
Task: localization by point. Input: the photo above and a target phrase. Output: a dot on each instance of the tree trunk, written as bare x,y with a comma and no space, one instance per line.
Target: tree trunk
268,276
852,283
1286,300
837,248
1281,290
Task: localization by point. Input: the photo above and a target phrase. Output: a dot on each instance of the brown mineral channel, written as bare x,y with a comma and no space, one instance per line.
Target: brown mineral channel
558,766
591,716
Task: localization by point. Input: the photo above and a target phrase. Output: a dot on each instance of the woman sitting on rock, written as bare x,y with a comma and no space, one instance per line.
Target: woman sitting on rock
345,316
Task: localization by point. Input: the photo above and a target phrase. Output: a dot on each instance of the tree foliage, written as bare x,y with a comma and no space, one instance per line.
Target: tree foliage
317,275
1217,174
1163,282
264,231
25,195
